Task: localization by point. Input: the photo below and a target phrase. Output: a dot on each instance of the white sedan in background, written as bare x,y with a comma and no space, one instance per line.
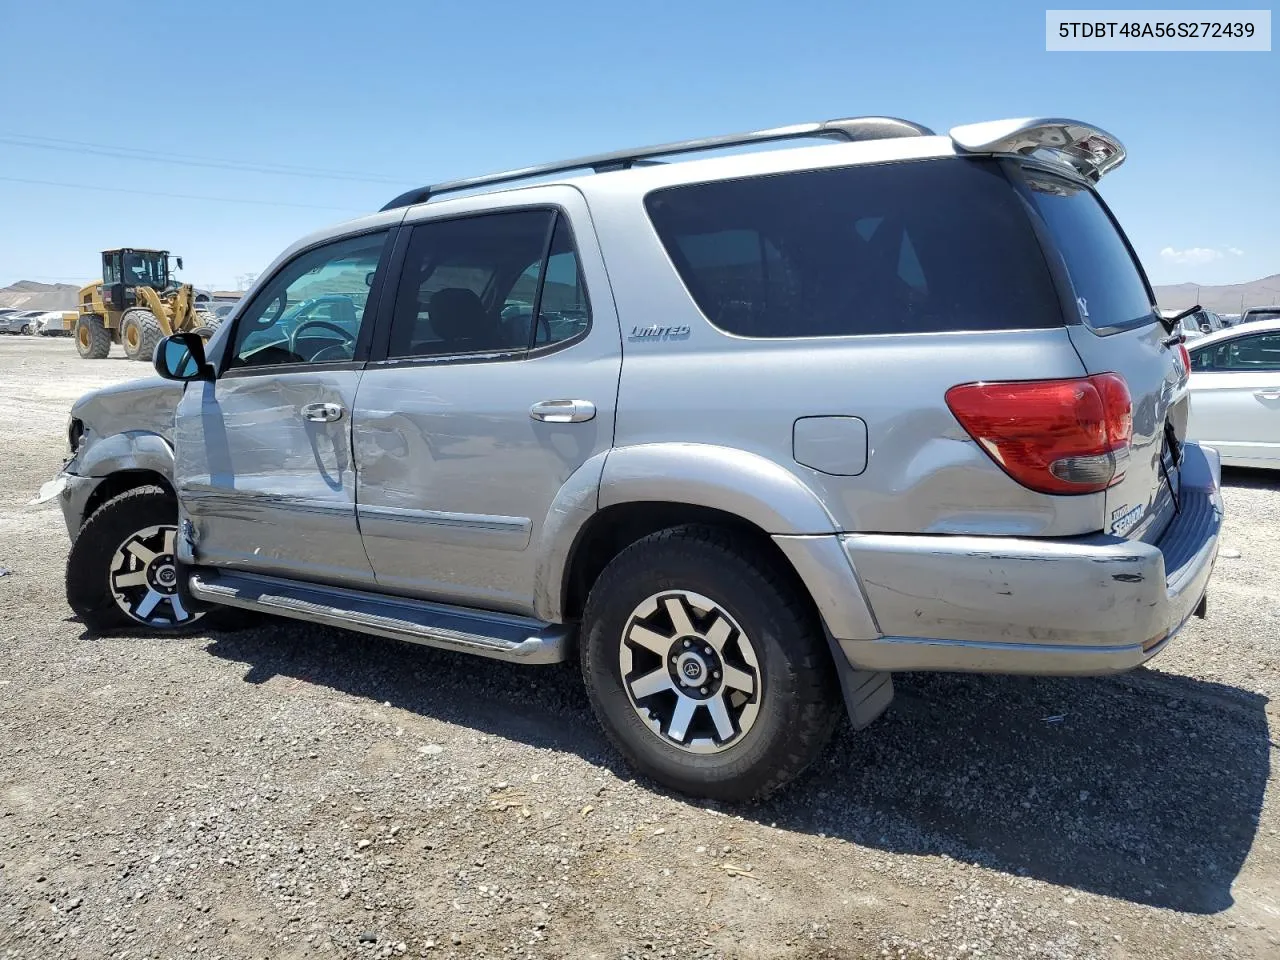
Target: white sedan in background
1235,393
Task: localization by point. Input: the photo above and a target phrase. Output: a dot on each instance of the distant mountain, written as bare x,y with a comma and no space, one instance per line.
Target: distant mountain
1232,298
31,295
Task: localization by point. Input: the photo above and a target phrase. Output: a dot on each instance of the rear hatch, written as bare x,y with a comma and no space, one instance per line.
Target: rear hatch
1118,331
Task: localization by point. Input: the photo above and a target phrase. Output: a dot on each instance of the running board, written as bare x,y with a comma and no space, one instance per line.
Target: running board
502,636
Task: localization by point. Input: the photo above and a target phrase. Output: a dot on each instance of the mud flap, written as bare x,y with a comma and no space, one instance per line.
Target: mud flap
1202,608
867,693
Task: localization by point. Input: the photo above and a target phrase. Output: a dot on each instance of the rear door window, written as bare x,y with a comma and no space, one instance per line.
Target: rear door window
1107,284
918,247
463,283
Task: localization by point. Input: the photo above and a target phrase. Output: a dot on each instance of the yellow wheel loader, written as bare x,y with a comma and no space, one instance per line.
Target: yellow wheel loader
136,302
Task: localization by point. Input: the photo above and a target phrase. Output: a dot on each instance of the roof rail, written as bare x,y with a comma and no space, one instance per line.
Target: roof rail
850,129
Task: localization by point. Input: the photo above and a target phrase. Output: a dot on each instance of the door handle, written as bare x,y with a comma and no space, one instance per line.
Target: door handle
1267,394
563,411
322,412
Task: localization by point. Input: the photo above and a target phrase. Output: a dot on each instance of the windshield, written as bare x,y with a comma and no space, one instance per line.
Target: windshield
1253,315
145,270
1106,283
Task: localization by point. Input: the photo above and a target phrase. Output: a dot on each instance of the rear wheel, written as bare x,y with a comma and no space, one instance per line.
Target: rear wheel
209,327
706,667
93,340
122,570
139,333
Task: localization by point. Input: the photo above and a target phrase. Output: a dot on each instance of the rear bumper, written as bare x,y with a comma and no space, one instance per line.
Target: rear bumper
1082,606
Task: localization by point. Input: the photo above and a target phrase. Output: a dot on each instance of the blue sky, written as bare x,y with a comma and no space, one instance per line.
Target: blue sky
413,92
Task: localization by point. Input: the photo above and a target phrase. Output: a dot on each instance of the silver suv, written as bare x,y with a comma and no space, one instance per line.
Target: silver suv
744,434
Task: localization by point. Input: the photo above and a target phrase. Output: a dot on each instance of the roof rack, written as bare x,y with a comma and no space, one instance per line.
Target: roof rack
850,129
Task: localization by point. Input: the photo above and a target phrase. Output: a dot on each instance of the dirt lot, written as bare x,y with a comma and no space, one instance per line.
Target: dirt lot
290,791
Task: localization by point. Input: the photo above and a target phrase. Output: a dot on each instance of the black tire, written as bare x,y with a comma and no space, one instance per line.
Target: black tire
209,327
26,329
139,333
93,339
798,692
94,579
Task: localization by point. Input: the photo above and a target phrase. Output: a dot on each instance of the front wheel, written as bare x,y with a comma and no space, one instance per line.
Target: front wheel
706,666
26,329
122,571
139,333
93,339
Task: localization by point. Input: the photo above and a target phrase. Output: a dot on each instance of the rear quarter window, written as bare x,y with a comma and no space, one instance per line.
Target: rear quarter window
1106,281
916,247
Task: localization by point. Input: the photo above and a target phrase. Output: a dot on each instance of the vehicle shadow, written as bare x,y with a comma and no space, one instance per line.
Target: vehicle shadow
1146,787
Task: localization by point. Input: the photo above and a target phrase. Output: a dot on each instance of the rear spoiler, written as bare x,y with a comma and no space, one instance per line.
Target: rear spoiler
1090,151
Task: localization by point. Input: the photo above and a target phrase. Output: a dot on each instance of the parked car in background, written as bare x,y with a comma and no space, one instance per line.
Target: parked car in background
1229,319
1196,324
20,321
49,324
1254,314
1235,393
217,309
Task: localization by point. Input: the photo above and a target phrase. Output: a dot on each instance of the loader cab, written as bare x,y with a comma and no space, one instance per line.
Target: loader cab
125,269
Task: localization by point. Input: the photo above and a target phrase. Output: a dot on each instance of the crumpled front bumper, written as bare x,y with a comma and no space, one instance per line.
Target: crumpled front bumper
72,493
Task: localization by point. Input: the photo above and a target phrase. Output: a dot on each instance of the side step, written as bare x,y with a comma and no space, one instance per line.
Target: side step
501,636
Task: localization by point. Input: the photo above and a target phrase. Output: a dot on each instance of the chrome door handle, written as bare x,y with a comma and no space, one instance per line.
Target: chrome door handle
1267,394
563,411
322,412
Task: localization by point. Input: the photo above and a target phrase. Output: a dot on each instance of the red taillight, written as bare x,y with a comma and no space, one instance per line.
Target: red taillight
1186,359
1055,436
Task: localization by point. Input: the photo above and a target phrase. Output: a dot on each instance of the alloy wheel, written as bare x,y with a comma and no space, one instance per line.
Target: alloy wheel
144,578
691,673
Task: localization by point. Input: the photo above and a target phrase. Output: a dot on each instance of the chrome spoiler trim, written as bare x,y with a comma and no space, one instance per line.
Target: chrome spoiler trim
1088,150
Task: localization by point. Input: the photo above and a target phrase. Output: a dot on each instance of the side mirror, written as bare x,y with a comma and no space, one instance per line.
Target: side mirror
368,278
1205,328
181,357
178,261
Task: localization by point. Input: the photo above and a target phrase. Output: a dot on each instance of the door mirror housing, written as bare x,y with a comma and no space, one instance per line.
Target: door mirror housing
181,357
178,261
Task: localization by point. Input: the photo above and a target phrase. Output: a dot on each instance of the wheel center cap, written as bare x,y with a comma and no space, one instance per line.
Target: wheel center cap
691,668
163,575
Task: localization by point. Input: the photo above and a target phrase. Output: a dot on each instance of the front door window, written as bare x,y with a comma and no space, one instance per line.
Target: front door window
314,310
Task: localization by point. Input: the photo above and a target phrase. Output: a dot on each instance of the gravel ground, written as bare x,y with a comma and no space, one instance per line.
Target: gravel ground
291,791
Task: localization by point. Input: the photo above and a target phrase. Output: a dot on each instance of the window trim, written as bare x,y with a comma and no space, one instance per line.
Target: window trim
363,342
379,357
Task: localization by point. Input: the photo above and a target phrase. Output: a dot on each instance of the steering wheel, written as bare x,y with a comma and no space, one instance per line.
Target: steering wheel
344,335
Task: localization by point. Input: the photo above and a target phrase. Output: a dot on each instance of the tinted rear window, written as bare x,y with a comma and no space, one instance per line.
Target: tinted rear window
1106,283
916,247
